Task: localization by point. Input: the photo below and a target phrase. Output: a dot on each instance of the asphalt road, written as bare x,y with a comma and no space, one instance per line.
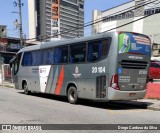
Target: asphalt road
18,108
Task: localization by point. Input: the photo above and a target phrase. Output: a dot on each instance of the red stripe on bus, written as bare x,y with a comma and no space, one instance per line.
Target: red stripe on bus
60,81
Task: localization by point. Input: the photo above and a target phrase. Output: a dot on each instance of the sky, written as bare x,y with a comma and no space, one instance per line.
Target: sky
8,18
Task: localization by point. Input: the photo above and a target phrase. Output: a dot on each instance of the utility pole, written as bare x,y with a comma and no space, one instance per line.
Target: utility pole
20,16
19,4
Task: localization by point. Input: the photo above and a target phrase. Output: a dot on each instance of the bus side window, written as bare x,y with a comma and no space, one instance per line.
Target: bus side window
61,54
98,50
48,56
27,59
36,60
65,54
93,48
51,56
105,47
45,57
58,55
78,53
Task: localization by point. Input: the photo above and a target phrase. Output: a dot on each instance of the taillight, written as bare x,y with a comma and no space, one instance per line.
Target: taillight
114,82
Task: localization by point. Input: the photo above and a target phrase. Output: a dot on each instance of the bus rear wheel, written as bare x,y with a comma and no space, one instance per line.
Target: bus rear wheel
25,87
72,95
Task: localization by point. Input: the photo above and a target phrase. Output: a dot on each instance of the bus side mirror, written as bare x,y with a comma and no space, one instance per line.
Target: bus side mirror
10,65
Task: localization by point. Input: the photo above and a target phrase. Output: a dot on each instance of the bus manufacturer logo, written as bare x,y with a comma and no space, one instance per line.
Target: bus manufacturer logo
76,74
76,70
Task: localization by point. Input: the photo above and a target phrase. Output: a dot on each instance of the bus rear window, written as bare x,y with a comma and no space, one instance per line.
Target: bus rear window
134,43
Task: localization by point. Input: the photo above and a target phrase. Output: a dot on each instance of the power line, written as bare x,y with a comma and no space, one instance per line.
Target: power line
122,11
130,22
100,20
104,18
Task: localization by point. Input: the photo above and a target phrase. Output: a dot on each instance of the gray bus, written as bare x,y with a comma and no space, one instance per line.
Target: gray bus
103,67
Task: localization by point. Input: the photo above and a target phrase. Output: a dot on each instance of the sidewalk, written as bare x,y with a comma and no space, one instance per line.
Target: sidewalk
7,84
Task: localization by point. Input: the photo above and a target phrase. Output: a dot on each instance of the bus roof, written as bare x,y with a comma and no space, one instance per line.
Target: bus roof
65,42
70,41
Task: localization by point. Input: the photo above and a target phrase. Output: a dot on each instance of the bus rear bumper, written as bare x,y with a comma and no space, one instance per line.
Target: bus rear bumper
125,95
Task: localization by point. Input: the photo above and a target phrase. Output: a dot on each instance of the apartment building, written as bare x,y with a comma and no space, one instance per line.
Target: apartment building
112,20
56,19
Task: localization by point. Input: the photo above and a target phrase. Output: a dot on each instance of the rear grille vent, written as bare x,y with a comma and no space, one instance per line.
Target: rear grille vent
133,64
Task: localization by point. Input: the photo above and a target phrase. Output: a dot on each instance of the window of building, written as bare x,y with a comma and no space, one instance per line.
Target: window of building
55,1
27,59
157,10
150,11
48,56
81,6
78,53
61,54
98,50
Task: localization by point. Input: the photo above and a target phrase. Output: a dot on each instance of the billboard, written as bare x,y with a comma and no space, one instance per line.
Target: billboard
134,43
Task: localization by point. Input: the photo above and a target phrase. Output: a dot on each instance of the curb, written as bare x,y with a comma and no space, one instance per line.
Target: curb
8,86
154,108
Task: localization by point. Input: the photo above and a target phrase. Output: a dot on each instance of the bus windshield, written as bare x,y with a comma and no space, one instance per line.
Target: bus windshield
134,43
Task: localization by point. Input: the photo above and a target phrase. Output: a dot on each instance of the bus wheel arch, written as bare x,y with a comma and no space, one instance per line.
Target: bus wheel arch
25,87
72,93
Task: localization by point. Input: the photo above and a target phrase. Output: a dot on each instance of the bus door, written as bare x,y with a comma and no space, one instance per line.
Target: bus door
35,82
45,79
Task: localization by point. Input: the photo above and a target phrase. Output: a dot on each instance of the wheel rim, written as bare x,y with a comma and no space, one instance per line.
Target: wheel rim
25,88
72,95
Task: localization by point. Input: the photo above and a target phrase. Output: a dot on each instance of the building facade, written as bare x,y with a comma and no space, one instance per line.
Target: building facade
53,19
112,20
3,31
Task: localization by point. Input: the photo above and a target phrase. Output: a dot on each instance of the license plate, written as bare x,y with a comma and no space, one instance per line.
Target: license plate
132,94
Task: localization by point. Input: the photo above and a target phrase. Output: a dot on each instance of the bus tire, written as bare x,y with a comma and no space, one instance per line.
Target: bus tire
72,95
25,87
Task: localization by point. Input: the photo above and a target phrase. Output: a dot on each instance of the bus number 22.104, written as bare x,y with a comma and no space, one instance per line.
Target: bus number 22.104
98,69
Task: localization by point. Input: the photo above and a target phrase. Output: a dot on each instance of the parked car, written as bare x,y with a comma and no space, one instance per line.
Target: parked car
154,71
